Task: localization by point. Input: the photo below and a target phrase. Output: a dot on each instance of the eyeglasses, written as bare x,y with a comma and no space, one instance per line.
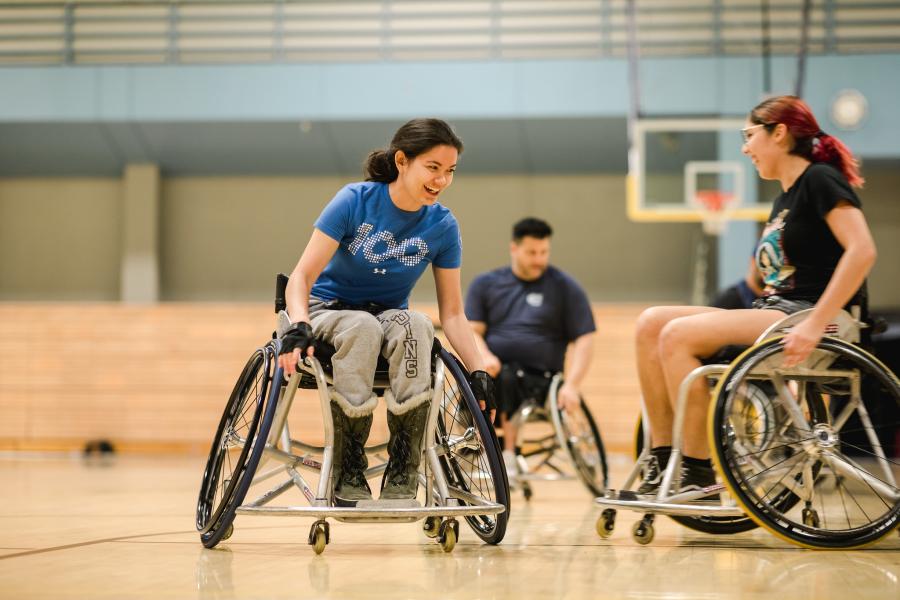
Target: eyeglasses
745,131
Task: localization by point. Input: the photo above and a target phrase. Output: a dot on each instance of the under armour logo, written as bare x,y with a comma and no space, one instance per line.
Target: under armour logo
380,271
409,252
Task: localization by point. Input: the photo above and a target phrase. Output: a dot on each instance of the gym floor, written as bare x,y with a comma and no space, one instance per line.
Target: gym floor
123,528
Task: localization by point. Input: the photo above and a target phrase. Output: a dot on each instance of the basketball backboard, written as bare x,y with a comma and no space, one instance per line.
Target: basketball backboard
677,163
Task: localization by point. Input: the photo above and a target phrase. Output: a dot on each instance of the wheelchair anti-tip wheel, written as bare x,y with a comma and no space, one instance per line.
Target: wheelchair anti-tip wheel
232,458
471,458
819,476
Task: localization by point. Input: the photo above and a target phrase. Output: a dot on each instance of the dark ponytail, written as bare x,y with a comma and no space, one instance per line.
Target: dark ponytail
810,141
380,166
413,138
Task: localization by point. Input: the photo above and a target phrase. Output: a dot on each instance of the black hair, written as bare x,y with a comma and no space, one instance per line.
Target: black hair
531,227
413,138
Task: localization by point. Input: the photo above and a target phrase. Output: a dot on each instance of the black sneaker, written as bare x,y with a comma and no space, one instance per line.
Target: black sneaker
698,477
653,473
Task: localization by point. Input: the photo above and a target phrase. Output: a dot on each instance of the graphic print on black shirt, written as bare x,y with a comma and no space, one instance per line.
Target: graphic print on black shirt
773,264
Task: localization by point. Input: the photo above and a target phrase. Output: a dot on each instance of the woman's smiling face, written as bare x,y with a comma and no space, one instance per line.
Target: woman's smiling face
422,179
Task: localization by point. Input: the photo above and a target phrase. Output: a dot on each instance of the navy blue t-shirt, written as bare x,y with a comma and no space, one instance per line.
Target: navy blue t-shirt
530,322
383,250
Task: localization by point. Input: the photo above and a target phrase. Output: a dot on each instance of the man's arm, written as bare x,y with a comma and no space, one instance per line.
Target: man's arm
582,352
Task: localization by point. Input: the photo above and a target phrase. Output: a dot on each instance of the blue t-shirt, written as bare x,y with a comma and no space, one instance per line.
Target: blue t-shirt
383,250
530,322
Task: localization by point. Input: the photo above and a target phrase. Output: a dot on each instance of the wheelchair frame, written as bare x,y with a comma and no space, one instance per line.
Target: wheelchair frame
443,502
845,330
547,447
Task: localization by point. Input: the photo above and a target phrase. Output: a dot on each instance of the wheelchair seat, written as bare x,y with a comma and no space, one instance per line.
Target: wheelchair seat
324,352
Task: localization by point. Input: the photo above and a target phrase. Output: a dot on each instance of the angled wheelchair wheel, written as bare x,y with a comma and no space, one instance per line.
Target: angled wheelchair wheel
471,459
715,525
235,453
578,434
813,463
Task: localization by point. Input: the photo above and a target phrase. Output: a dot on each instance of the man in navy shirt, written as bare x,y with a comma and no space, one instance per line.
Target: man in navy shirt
524,317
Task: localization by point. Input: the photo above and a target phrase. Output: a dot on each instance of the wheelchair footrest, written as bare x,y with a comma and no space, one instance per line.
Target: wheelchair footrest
376,504
379,512
696,508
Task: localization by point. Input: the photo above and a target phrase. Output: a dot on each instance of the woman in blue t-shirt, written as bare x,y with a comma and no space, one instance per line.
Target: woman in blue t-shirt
351,288
814,252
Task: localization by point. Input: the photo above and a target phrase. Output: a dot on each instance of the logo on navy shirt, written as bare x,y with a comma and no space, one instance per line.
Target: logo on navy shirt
382,246
534,299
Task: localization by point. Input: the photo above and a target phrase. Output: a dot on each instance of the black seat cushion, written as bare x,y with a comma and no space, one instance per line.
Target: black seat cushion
725,354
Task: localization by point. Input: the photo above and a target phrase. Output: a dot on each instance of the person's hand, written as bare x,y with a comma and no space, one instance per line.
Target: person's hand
483,389
568,398
297,341
492,365
801,341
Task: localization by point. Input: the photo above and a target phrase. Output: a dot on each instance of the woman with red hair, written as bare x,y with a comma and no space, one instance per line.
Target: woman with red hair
815,252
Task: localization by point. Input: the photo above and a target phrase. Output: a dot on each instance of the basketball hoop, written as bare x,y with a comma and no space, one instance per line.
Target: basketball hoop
714,208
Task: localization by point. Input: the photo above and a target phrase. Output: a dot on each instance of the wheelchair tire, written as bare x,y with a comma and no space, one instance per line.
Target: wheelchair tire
579,435
850,496
478,471
715,525
237,446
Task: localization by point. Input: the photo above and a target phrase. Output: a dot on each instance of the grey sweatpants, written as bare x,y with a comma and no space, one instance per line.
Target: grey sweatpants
403,337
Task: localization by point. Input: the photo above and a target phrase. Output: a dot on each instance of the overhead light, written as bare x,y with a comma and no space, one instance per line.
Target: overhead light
849,109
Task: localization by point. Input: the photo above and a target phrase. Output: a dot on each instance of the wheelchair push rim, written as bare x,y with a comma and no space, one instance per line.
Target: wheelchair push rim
844,483
236,450
580,436
475,468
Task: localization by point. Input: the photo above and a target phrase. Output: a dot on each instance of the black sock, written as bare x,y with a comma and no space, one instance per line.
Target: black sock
662,454
697,462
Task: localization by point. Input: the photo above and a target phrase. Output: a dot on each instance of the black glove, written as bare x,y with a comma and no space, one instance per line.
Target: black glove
483,389
298,335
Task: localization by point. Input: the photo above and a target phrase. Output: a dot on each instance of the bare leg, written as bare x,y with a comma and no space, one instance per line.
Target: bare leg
684,340
650,368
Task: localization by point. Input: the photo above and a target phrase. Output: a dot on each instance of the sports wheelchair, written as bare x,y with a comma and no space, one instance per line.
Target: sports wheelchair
544,431
462,474
808,452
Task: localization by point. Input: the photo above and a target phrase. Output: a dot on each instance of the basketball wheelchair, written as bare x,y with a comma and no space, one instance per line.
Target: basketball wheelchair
809,453
462,473
554,444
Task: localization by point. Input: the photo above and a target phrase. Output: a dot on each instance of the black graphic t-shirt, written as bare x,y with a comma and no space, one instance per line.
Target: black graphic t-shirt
530,322
797,253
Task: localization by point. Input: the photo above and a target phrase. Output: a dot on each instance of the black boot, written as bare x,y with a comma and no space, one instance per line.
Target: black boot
350,462
401,478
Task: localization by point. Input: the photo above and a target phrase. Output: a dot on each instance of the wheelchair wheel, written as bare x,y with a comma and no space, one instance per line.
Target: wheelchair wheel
234,454
715,525
474,468
579,435
821,475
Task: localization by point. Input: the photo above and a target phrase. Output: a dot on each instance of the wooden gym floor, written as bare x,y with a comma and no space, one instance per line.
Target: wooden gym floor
71,528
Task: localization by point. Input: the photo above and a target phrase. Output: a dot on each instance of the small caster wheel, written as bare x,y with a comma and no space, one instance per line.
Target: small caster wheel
643,532
606,523
526,491
228,532
432,526
810,517
318,536
448,534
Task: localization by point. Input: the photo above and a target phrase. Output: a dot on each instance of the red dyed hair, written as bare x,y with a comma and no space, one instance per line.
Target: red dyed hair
810,141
